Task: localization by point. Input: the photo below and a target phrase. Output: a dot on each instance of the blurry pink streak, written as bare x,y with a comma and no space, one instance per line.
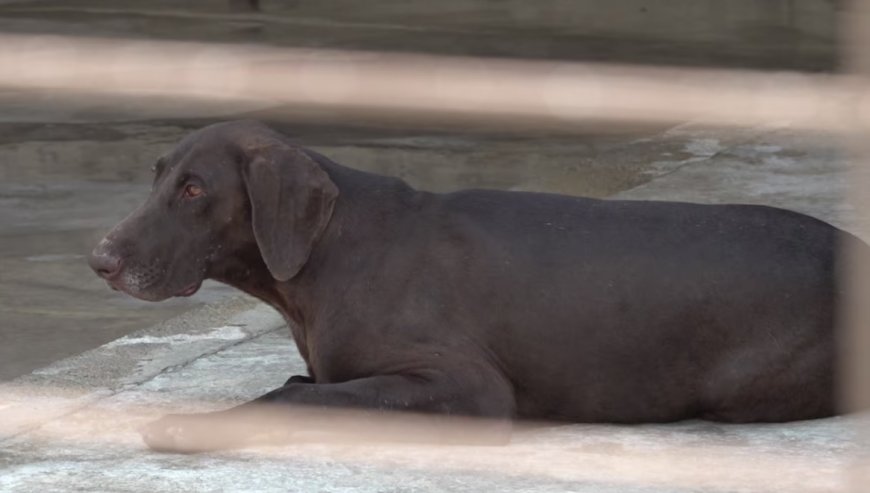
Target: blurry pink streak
427,87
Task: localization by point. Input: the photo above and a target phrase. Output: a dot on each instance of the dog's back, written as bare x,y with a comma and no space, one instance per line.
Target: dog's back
648,311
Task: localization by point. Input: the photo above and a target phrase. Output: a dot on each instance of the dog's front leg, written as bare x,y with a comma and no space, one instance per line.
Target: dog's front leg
299,379
353,410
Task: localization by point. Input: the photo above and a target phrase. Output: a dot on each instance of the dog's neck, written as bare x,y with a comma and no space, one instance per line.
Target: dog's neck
366,213
247,272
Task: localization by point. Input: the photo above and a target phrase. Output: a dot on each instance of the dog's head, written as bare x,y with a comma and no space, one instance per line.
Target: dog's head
224,190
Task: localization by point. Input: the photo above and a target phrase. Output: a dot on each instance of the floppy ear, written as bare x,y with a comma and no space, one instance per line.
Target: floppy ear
291,203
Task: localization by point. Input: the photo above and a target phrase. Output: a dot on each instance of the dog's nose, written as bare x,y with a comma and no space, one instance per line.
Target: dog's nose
105,263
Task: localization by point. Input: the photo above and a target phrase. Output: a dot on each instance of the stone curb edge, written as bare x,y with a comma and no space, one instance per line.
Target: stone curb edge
75,382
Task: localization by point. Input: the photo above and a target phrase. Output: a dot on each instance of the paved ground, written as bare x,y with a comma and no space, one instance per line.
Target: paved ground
71,426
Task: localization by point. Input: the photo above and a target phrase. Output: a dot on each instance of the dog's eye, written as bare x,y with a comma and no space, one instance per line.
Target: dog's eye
192,191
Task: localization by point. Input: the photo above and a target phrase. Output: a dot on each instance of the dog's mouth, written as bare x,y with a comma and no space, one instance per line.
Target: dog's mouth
190,290
145,295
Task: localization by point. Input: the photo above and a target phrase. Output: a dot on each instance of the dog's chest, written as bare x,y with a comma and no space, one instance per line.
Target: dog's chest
300,338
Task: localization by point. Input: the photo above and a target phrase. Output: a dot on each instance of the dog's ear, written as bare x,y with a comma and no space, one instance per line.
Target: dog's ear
291,203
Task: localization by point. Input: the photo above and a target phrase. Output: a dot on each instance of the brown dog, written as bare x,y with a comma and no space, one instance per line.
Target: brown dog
485,303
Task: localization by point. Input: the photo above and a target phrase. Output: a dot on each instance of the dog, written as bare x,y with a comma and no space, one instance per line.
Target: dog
489,304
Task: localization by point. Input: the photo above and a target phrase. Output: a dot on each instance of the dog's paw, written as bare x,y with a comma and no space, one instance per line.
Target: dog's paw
188,434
